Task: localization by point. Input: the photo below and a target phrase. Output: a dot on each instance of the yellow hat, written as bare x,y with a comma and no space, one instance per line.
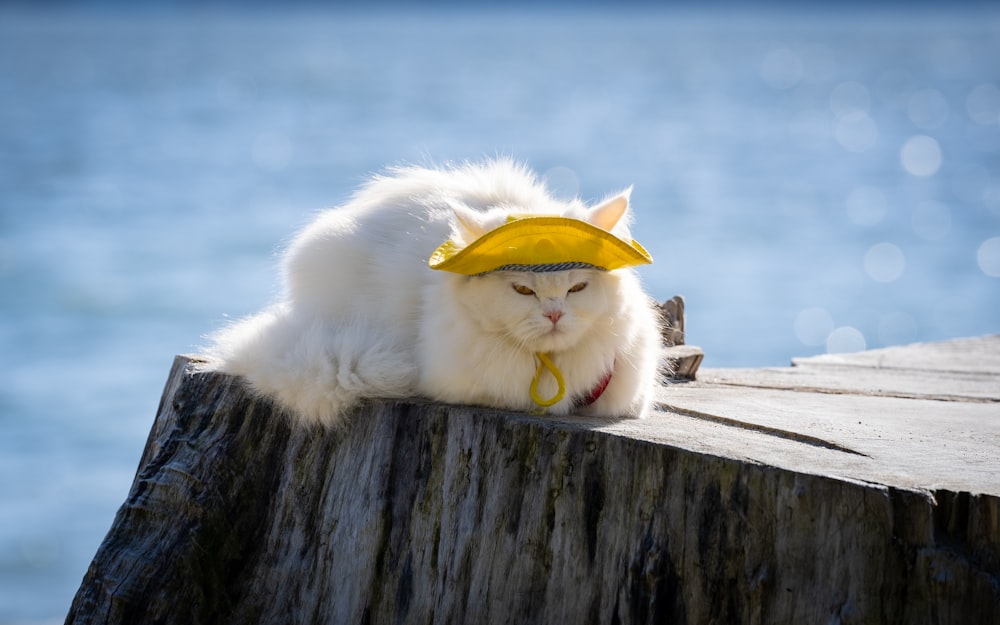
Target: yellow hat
540,244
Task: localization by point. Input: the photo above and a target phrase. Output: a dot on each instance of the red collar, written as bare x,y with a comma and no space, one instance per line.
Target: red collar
596,392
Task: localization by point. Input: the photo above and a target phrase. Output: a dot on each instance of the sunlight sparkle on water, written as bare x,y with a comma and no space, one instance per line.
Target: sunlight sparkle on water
896,328
781,68
921,155
849,98
562,182
845,339
894,88
856,132
813,326
971,183
850,102
988,257
983,104
884,262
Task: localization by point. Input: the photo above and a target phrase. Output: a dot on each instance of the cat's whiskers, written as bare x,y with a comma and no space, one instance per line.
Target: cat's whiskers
517,340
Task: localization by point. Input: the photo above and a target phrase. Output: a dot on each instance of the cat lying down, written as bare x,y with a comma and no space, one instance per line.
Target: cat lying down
467,285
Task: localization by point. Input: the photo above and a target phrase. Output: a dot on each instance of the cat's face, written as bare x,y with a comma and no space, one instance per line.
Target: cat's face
541,312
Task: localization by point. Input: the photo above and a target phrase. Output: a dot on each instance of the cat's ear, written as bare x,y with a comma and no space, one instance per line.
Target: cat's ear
469,224
608,213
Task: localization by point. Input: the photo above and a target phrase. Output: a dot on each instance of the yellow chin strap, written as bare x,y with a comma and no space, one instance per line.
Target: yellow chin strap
545,363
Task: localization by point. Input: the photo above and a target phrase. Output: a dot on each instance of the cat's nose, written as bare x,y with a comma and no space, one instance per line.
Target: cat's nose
553,315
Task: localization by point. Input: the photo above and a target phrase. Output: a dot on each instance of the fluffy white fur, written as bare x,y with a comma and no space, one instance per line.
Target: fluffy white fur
362,315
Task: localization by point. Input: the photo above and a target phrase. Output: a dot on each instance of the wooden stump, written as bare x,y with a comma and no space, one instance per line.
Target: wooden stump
424,513
682,360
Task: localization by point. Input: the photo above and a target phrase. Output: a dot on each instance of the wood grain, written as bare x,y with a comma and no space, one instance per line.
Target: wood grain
736,505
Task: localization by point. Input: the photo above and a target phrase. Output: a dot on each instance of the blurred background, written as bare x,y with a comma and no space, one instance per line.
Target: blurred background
811,180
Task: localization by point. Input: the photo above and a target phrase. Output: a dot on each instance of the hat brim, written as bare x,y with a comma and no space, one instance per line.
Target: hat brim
540,242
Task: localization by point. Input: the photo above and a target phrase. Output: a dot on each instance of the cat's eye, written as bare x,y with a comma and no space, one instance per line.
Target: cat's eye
523,290
579,286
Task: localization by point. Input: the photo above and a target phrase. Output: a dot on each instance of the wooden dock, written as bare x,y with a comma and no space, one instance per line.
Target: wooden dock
861,488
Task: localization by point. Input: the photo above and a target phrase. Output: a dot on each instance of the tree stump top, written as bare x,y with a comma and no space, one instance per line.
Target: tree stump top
845,489
923,416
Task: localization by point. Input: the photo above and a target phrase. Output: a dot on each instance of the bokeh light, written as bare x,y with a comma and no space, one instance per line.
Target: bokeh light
894,87
562,182
845,339
781,68
988,257
850,98
813,326
897,328
884,262
928,109
971,183
921,156
983,104
856,131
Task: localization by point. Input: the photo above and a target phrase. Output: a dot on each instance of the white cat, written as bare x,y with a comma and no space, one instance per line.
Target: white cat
363,315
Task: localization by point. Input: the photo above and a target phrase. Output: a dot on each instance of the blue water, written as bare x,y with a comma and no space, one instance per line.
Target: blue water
809,181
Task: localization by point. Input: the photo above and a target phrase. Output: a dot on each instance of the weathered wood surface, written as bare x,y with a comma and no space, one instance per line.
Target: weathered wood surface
923,416
755,498
682,360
